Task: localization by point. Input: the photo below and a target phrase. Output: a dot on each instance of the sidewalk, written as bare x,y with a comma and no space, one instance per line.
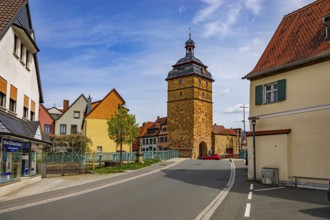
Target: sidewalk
55,183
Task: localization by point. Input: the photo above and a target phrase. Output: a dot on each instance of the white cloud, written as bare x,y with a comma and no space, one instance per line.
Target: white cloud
182,9
235,109
245,49
211,7
254,5
257,41
225,92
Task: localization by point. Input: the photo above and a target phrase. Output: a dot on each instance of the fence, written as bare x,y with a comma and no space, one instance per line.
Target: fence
59,169
59,164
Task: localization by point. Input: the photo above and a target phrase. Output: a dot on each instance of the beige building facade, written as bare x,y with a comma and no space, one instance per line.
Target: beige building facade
290,101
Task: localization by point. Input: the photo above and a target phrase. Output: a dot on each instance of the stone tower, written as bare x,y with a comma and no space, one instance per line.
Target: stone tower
189,105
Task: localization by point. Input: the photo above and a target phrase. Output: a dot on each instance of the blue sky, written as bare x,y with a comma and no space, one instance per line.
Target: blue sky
93,46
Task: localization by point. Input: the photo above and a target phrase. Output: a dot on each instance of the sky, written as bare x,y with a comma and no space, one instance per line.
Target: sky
92,46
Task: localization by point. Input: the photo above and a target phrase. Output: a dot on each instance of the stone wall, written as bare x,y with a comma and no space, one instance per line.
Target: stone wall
189,112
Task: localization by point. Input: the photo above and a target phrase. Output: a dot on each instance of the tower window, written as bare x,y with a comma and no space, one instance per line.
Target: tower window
180,94
180,81
199,81
203,95
207,84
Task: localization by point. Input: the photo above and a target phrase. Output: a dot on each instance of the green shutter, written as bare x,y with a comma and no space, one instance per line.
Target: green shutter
259,95
281,87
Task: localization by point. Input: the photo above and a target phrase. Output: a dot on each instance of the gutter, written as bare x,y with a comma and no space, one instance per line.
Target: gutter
288,67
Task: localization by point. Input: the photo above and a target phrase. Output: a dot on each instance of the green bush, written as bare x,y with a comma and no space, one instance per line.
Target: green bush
124,167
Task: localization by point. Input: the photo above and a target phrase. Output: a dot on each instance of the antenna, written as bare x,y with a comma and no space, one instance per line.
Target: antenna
189,33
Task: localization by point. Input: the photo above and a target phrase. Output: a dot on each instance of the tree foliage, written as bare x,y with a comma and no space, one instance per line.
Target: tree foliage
122,127
70,142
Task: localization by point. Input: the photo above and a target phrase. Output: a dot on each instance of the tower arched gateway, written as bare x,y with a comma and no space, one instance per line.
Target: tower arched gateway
189,106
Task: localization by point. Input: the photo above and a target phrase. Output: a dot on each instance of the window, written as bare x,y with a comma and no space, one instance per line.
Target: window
76,114
23,54
32,116
2,99
12,105
28,59
203,95
62,129
47,129
144,141
164,129
270,93
73,129
207,84
180,81
99,149
180,94
17,44
147,141
150,140
199,81
154,140
25,112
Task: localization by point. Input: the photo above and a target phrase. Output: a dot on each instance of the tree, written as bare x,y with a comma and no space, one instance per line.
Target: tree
122,128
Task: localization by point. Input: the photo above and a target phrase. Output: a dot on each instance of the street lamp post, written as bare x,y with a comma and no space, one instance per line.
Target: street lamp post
254,122
244,139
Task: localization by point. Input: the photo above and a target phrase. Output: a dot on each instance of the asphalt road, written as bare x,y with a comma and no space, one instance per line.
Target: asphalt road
180,192
271,202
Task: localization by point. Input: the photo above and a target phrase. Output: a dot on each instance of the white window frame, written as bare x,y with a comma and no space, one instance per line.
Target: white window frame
270,93
99,149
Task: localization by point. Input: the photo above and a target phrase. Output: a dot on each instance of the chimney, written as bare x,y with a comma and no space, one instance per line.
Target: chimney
89,104
326,22
65,105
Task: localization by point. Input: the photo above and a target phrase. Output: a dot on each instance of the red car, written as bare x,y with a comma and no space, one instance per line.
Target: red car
211,157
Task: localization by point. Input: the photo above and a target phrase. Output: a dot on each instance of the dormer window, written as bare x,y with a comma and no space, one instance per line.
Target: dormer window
326,22
22,53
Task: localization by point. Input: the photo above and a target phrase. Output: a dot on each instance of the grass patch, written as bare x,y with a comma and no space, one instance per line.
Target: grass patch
128,166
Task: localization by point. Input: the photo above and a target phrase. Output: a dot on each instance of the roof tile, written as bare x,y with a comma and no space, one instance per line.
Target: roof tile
299,38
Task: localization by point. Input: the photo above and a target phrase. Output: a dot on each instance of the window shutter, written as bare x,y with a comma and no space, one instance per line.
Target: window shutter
259,95
281,90
33,106
13,93
3,85
26,101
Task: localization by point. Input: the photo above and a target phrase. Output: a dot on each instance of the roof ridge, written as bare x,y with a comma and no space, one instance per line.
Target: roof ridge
303,8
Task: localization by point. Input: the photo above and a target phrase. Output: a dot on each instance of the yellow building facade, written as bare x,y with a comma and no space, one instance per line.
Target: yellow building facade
289,98
96,127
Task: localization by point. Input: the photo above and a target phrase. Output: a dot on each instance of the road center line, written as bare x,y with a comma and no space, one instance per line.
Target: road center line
247,210
251,186
250,196
84,191
216,202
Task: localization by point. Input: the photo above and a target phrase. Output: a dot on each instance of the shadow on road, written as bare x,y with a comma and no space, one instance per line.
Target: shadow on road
318,212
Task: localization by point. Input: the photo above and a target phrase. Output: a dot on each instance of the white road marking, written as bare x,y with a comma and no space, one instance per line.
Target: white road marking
250,196
247,210
251,186
216,202
84,191
257,190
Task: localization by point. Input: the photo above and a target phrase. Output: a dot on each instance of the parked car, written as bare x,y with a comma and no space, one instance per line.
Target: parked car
211,157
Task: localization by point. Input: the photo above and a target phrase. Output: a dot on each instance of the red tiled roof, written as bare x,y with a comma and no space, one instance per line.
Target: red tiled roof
269,132
219,129
298,40
144,128
162,120
8,9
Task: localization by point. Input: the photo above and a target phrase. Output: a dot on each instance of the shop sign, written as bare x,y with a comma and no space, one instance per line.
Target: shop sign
11,145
